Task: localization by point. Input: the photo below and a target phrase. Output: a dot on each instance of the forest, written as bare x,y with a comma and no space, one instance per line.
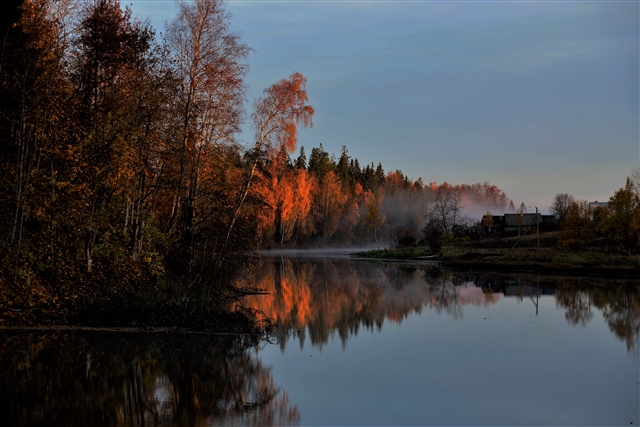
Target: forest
126,188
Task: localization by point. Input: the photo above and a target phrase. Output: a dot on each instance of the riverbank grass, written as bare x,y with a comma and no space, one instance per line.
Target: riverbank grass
461,255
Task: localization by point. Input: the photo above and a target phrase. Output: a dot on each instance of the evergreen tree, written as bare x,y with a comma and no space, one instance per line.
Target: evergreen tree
342,168
301,161
379,175
355,172
319,162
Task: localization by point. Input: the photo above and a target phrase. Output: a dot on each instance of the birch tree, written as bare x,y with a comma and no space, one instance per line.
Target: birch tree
208,60
276,117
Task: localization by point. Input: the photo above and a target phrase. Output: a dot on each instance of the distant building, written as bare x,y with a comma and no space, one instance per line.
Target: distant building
594,205
548,223
510,222
515,220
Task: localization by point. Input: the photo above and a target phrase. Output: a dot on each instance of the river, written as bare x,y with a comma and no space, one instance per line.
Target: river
358,343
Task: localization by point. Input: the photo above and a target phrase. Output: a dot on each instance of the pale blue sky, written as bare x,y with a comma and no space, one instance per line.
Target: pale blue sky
535,97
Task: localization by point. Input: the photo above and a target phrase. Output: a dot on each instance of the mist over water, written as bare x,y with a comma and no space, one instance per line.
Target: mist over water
328,252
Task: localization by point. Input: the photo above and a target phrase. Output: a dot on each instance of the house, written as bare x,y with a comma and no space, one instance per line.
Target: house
548,223
511,222
520,220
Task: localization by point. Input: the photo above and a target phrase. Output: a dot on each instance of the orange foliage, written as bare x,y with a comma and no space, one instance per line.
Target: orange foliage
277,114
303,186
358,189
329,201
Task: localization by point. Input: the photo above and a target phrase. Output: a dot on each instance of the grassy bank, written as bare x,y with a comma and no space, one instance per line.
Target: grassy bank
546,259
501,255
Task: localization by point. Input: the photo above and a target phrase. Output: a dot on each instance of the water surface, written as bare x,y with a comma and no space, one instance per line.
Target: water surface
358,344
376,345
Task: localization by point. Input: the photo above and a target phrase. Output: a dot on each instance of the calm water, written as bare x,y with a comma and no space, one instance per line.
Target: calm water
359,344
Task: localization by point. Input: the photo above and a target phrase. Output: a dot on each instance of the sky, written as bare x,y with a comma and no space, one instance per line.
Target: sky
536,97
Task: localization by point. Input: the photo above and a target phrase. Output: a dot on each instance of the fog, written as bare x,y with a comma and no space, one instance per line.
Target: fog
327,252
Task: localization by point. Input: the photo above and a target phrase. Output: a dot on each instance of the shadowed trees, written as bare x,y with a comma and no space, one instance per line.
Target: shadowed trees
624,222
207,61
560,206
616,226
119,164
110,68
577,230
38,151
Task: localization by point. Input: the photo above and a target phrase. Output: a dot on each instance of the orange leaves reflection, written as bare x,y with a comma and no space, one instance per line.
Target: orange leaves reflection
322,296
329,295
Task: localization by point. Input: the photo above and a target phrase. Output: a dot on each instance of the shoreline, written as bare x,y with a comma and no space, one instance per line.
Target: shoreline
120,329
525,260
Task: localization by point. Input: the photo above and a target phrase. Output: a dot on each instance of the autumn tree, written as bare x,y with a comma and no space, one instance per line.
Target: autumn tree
373,219
487,221
485,195
329,202
33,91
208,60
577,230
446,208
109,51
400,236
276,117
601,217
303,185
625,218
561,203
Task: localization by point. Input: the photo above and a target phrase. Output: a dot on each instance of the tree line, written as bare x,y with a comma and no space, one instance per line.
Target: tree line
328,199
614,226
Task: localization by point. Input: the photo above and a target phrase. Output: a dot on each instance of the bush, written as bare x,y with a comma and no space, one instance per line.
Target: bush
407,238
435,245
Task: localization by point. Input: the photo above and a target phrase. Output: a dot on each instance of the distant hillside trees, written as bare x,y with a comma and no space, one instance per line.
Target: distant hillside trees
340,202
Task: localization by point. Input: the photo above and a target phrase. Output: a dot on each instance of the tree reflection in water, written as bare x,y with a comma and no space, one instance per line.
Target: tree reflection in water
619,302
320,297
113,379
